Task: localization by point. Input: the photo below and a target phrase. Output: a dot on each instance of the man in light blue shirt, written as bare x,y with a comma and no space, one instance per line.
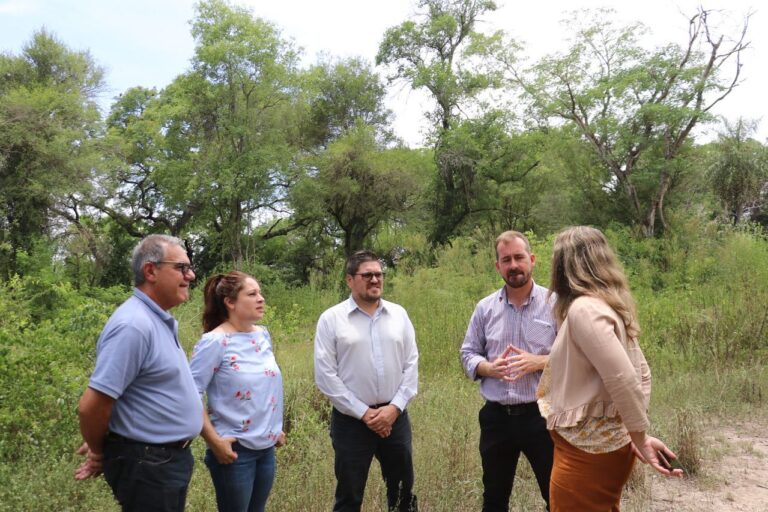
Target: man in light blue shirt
141,408
366,363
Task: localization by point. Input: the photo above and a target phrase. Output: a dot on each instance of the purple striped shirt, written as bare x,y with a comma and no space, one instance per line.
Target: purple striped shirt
494,325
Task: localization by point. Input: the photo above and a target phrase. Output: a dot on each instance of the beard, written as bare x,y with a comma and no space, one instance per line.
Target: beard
371,295
517,279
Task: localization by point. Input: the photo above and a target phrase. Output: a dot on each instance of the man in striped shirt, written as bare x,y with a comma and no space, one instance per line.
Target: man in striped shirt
506,346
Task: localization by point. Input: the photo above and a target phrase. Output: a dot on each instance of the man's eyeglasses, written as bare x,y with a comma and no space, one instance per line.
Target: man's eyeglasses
370,275
184,268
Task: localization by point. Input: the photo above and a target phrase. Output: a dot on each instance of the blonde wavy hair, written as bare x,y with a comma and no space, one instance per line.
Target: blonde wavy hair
584,264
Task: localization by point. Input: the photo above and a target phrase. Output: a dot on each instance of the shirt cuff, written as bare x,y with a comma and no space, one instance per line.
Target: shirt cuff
399,403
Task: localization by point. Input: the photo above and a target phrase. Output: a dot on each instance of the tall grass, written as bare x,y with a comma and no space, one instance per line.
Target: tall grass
702,303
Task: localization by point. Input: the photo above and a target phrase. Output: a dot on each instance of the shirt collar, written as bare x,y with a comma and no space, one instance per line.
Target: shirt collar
143,297
532,297
352,306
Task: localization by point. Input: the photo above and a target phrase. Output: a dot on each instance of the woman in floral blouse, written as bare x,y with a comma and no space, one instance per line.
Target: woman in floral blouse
234,365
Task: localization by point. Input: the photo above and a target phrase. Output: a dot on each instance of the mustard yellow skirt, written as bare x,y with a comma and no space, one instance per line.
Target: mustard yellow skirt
587,482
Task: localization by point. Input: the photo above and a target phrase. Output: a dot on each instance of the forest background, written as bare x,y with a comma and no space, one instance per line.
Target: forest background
280,169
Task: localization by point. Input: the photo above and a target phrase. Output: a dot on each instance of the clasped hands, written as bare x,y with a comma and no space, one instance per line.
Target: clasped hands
513,364
381,420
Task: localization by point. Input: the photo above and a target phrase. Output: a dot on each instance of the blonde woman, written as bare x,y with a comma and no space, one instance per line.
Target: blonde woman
596,387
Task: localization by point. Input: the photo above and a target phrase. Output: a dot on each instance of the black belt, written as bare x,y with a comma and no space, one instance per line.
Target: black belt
378,406
173,445
516,409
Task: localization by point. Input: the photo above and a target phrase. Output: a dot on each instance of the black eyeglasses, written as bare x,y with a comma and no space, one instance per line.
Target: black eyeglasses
370,275
184,268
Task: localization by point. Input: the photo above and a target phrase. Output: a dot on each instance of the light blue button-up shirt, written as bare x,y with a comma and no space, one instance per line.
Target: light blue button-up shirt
363,360
141,364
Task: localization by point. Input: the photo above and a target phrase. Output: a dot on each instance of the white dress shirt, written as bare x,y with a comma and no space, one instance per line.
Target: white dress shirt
363,360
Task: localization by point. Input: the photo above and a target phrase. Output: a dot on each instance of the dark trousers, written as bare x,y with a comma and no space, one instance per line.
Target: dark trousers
355,445
505,432
147,478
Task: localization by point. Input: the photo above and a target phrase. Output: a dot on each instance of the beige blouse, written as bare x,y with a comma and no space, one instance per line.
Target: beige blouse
597,384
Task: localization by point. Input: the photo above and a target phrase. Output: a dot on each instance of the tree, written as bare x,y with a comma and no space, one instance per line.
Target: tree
500,182
738,170
342,115
141,188
445,54
637,108
48,123
228,123
360,185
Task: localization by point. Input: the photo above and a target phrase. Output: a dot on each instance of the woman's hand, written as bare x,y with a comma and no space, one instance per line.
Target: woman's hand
222,450
646,450
280,440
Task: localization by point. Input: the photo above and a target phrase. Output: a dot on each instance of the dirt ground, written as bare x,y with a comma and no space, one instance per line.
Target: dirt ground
734,475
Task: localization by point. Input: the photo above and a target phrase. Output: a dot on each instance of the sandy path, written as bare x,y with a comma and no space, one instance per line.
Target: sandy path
734,475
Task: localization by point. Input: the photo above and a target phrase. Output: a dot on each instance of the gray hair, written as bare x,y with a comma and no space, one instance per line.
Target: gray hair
150,249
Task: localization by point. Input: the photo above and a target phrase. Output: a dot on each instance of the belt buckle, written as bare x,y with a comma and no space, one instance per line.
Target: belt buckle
515,409
185,444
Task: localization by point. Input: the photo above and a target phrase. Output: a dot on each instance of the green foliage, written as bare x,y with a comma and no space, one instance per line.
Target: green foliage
48,333
445,54
636,108
342,94
360,187
738,170
48,120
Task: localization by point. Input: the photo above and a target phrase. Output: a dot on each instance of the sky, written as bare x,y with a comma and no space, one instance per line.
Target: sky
148,42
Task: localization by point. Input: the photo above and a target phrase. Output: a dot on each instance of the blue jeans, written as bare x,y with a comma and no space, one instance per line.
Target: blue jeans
244,485
355,445
148,478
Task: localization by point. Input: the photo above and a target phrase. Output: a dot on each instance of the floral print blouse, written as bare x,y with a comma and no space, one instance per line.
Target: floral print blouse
239,374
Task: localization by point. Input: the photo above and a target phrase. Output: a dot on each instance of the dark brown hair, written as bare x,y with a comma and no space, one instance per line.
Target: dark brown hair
358,258
217,288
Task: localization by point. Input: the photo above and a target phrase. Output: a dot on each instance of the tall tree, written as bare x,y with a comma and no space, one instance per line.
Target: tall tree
635,107
48,122
445,54
354,172
142,189
229,120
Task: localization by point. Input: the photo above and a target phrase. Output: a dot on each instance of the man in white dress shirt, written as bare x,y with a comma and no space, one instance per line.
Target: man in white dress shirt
366,363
